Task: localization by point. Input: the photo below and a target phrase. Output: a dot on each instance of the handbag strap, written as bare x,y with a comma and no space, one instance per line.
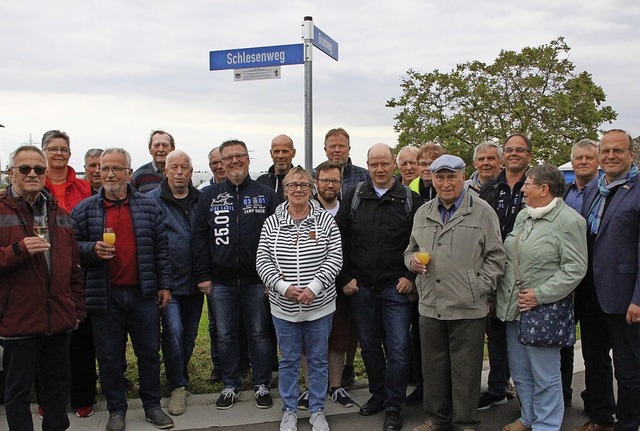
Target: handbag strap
516,267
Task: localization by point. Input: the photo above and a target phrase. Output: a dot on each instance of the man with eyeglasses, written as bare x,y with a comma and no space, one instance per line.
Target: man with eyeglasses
127,283
612,208
328,182
282,153
148,176
229,219
69,190
337,148
217,169
375,235
61,178
40,292
504,194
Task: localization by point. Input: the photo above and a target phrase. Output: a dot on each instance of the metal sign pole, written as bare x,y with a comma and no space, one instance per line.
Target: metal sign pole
307,36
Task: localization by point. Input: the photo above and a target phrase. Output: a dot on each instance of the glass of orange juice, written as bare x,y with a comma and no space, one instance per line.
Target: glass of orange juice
423,256
109,236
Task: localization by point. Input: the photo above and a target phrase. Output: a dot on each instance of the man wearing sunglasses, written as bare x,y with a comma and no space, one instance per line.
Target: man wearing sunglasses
40,293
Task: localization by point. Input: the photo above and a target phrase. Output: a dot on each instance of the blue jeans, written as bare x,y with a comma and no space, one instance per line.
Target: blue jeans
249,305
180,320
294,338
377,315
48,356
536,374
129,313
245,364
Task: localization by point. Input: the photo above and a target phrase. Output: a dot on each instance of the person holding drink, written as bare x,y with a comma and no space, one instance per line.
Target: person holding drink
40,293
456,249
125,288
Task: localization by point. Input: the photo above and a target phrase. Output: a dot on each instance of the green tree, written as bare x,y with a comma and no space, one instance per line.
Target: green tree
534,91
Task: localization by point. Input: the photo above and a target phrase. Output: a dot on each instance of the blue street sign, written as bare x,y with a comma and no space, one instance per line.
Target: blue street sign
256,57
324,43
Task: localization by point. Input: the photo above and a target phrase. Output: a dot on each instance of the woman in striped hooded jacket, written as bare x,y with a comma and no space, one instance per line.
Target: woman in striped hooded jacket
298,259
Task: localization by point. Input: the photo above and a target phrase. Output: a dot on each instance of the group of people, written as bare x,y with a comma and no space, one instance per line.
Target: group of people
298,267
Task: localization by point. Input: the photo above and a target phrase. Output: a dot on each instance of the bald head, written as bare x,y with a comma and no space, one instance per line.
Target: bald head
282,153
380,162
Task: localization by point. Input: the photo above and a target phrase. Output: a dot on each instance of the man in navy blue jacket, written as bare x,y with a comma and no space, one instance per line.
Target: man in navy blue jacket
125,285
229,218
612,209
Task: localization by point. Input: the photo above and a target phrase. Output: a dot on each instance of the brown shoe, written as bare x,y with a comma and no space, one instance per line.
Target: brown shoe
516,426
430,426
591,426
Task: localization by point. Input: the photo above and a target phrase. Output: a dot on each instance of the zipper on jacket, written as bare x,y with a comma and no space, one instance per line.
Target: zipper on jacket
238,234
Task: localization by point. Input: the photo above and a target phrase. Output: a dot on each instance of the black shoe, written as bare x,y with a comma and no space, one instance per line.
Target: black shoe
392,421
415,397
371,407
263,397
348,377
488,400
159,419
226,398
303,400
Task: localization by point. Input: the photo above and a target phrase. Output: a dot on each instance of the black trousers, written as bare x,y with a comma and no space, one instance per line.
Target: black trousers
49,357
83,366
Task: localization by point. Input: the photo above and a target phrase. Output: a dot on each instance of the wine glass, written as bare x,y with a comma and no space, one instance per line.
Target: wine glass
109,236
423,256
41,228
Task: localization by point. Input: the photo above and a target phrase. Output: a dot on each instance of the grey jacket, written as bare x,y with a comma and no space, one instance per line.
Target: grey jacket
467,258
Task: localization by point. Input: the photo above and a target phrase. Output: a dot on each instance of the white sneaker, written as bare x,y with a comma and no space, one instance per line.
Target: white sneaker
318,421
289,421
178,402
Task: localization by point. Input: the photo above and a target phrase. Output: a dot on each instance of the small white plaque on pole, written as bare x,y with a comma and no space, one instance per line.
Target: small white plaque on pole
254,73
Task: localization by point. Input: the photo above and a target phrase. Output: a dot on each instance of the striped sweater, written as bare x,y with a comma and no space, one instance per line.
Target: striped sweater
308,255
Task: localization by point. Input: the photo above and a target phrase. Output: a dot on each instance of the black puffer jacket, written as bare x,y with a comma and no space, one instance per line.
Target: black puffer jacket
375,236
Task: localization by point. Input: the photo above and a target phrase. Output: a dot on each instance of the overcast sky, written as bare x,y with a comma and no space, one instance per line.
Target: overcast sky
109,72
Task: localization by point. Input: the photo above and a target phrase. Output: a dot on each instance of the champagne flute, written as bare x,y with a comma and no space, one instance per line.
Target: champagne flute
40,226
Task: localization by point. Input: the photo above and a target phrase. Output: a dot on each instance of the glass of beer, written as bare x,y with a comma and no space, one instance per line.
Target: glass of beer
423,256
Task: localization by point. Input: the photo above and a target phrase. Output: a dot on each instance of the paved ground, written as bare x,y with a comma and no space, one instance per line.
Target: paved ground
202,415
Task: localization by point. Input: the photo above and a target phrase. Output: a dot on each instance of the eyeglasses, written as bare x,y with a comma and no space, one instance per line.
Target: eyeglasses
424,164
117,170
54,150
518,150
294,186
328,181
615,151
239,156
26,169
